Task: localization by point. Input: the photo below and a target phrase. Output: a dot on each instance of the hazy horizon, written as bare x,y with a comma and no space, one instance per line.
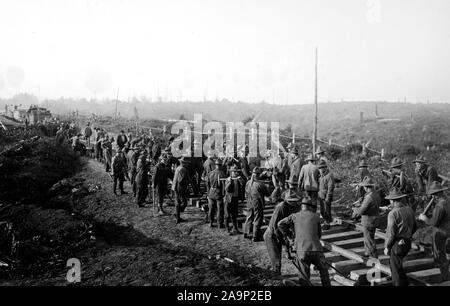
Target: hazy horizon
247,51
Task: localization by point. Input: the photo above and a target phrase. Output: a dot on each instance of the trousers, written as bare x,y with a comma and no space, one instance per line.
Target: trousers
398,253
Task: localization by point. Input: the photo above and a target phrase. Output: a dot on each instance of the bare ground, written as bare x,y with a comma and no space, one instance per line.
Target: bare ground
133,246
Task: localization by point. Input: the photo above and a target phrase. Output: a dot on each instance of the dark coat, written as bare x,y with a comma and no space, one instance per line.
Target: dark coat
369,210
307,229
215,185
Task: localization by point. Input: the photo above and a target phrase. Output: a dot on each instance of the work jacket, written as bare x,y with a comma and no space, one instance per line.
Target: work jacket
309,178
255,192
294,171
401,224
369,209
326,187
425,178
307,229
441,215
281,211
233,189
119,164
215,185
181,180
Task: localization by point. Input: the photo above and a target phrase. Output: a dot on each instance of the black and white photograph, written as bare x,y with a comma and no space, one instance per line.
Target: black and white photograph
224,150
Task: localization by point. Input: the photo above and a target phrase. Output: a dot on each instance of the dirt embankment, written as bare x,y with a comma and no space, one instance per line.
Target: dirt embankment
36,229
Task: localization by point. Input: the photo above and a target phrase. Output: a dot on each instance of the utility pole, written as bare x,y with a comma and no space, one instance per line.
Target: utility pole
315,102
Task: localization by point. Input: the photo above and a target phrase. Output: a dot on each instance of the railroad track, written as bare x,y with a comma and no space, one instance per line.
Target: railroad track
344,252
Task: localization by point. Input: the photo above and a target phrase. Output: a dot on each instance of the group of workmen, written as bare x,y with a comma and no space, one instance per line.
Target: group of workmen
298,187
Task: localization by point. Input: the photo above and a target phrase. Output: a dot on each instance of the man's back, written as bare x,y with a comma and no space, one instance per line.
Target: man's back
309,177
401,224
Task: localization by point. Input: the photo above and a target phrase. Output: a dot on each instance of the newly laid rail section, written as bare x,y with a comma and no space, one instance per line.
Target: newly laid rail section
344,252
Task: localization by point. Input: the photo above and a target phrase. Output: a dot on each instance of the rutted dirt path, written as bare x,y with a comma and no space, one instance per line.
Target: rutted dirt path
136,247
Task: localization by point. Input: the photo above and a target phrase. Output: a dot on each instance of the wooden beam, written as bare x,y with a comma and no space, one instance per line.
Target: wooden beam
342,235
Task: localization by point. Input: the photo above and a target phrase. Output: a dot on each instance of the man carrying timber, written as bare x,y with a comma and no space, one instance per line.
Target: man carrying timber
180,186
401,226
308,181
159,183
440,221
306,226
255,191
274,241
215,187
369,212
119,171
234,185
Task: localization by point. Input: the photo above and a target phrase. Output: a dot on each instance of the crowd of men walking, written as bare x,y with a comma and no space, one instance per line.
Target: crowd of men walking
298,186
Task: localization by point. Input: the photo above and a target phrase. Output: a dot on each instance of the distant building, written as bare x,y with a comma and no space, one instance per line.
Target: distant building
36,113
19,113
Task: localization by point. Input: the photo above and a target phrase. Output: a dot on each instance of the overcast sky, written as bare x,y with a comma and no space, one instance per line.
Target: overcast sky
248,50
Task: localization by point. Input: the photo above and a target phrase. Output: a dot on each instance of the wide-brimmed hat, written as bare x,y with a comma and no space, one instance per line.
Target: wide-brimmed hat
319,150
322,164
420,159
367,182
310,157
307,201
436,187
292,197
362,164
395,194
396,162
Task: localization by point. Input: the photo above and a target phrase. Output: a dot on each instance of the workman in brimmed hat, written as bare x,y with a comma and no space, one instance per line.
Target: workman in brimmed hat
180,187
440,221
369,212
401,226
308,181
142,179
320,153
398,179
306,226
274,242
296,165
216,191
159,182
234,186
425,175
255,191
119,170
132,159
363,172
326,191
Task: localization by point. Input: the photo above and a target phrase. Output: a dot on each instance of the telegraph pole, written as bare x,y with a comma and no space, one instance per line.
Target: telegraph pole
315,102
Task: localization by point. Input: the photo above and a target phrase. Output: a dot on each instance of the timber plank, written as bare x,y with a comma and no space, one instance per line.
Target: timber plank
342,235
